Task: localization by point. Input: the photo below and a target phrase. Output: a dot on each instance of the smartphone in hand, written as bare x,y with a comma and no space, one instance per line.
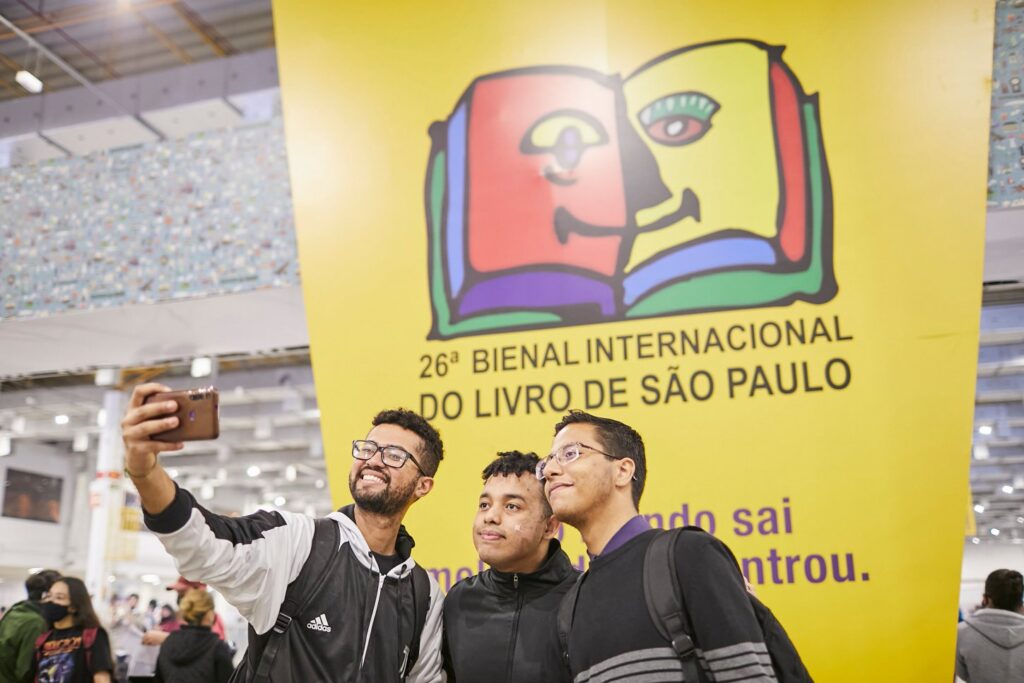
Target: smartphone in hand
197,414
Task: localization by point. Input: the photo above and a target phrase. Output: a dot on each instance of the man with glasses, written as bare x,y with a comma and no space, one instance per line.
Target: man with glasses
593,479
500,625
360,619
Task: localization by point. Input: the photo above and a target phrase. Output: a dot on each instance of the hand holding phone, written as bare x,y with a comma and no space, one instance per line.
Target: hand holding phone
198,414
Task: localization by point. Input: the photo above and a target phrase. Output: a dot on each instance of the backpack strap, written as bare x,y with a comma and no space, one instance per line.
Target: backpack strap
566,612
664,599
326,539
421,605
88,640
43,637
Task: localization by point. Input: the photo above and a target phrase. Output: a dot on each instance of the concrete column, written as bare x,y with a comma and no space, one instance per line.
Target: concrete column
106,496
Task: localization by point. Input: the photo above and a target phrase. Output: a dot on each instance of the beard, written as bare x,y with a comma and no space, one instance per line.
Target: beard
387,501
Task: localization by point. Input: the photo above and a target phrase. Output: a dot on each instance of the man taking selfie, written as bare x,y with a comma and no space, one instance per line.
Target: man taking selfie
363,610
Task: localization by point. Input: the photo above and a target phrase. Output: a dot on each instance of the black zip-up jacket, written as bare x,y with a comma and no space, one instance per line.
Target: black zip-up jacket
502,628
352,630
194,654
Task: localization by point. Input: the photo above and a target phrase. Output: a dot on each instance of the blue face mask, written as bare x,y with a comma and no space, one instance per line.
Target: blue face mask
53,612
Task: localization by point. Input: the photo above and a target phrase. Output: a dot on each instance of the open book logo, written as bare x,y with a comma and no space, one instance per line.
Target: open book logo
560,196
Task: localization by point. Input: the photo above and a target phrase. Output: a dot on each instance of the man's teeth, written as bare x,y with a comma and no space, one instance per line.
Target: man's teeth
373,477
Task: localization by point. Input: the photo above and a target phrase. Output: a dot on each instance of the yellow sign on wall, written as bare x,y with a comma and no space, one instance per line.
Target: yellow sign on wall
753,232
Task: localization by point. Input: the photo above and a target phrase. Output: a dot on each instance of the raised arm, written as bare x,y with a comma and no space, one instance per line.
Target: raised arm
250,559
141,455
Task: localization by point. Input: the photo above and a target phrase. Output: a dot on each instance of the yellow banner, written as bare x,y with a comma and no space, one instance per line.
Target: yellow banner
753,231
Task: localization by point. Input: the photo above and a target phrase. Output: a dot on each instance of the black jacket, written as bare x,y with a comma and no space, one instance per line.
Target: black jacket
502,628
194,654
358,622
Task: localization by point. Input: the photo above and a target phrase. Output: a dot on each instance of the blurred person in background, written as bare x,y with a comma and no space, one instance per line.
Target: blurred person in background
168,621
77,648
21,626
990,642
157,635
150,618
194,653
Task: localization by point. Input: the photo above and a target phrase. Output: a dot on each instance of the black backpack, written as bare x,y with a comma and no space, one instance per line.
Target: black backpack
667,608
266,649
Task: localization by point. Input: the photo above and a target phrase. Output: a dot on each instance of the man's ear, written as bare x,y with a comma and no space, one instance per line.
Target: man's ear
625,469
423,486
551,525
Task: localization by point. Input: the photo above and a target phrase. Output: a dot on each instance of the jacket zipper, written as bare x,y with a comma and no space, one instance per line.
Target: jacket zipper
373,615
515,628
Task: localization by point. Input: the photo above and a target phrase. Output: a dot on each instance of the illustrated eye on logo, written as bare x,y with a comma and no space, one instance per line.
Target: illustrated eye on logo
558,195
679,119
566,135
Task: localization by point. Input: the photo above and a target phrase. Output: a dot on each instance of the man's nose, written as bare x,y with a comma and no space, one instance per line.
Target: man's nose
492,515
552,468
377,457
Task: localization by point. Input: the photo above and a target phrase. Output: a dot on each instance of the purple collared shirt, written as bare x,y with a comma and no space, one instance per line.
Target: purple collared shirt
628,532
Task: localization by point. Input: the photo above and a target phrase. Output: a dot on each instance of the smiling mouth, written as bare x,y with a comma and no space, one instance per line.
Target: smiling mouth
689,207
566,223
556,487
490,536
372,477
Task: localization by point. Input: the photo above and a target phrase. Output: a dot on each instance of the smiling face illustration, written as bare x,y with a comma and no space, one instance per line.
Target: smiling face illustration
544,147
558,195
706,114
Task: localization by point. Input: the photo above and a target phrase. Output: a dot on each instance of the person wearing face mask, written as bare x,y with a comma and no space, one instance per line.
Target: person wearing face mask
76,649
20,627
194,653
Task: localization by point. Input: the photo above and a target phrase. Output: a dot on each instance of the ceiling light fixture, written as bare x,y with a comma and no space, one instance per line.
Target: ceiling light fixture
1007,489
253,471
105,377
985,430
29,81
290,473
994,532
279,501
61,419
81,442
5,445
979,508
202,366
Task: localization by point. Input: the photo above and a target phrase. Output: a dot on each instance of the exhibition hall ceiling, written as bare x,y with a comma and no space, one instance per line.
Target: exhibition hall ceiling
112,39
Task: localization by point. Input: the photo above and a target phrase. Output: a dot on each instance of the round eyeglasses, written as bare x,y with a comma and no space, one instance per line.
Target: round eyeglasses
568,453
392,456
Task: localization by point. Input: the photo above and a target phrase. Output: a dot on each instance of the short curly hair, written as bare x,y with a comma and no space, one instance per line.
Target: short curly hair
433,448
516,464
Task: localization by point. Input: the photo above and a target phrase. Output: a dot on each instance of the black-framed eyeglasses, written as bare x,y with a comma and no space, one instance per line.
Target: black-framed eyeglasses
392,456
568,453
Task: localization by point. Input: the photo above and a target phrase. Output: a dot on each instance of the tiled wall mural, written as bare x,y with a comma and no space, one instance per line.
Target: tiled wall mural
212,214
1006,153
209,214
